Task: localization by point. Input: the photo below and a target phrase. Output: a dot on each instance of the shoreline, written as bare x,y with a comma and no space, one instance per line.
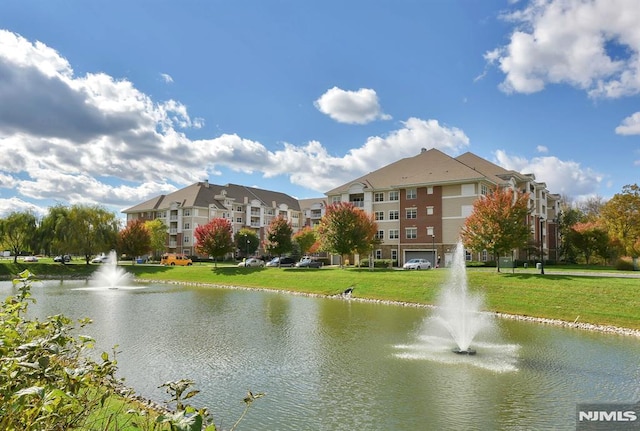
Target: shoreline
607,329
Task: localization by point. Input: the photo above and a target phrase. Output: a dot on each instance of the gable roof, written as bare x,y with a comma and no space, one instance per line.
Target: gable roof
203,194
429,167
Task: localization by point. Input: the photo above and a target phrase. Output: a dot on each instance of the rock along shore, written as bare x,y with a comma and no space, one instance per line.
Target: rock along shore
541,320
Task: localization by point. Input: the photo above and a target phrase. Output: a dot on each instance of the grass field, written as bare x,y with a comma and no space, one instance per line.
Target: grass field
599,296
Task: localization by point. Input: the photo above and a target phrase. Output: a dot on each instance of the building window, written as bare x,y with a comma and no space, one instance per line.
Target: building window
485,255
187,226
239,220
411,232
411,213
394,254
484,190
394,233
187,213
335,199
186,239
379,234
430,231
379,215
378,197
467,255
429,190
378,254
394,195
412,194
394,215
429,210
239,209
468,189
466,210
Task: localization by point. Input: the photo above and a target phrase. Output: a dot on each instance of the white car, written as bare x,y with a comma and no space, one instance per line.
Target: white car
30,259
417,264
100,259
252,262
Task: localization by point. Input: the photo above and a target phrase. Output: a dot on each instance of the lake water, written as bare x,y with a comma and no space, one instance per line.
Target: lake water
333,364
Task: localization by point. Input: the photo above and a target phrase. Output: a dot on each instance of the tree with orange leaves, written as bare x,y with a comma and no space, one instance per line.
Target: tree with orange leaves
498,223
306,240
215,238
590,238
345,229
134,240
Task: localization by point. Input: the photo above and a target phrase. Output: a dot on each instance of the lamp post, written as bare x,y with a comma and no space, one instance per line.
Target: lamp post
247,253
433,246
541,247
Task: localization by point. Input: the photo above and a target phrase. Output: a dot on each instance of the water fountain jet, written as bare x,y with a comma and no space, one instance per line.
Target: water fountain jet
111,276
459,311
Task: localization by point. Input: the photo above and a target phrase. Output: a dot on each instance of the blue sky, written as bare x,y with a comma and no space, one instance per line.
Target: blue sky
114,102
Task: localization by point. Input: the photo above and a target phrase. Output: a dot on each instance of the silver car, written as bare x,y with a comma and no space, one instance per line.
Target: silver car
252,262
417,264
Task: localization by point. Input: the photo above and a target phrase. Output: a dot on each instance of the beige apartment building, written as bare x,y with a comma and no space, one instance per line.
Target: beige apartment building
185,209
420,204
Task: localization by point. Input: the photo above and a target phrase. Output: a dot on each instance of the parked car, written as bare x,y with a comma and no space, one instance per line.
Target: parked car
100,259
30,259
282,262
173,259
62,258
307,262
252,262
417,264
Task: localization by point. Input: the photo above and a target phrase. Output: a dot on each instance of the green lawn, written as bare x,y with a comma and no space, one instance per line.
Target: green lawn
588,295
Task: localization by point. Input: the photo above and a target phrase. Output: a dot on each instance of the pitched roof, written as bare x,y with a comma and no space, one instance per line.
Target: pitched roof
429,167
203,194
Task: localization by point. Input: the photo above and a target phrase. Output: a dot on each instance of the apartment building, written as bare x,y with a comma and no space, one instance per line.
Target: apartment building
420,204
313,210
185,209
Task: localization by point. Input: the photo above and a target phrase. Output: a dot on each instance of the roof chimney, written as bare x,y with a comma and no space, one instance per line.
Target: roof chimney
422,150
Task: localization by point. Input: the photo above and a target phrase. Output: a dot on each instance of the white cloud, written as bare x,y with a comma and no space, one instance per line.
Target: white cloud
542,149
593,45
14,204
166,78
630,125
562,177
106,142
352,107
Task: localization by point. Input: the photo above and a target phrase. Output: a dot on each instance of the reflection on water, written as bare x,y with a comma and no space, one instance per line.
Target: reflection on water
328,364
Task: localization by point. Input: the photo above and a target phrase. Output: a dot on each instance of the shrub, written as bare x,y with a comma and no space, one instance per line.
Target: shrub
623,264
378,263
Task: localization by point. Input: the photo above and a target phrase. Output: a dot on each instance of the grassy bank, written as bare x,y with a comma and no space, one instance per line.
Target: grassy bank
592,297
588,295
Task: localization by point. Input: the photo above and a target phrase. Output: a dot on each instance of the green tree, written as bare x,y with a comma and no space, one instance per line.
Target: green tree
215,238
345,229
92,230
17,232
498,223
306,240
567,218
247,241
621,214
134,240
158,233
53,231
278,237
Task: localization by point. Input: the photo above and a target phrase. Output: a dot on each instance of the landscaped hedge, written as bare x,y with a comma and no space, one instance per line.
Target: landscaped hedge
378,263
